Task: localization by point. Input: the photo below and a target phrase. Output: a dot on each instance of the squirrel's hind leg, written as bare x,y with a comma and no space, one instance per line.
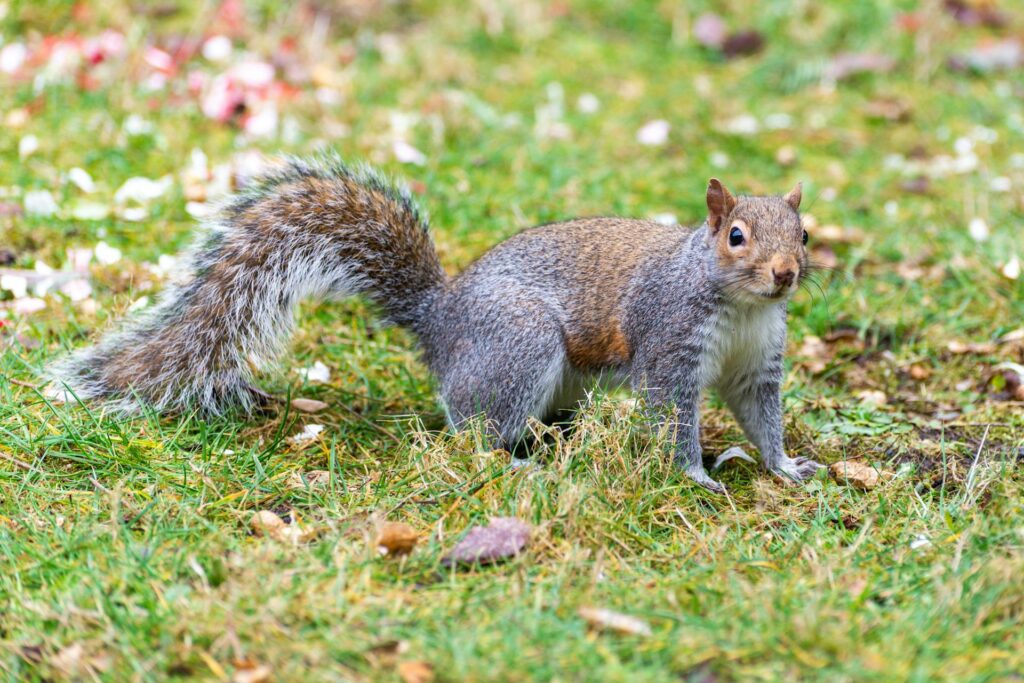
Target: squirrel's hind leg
507,376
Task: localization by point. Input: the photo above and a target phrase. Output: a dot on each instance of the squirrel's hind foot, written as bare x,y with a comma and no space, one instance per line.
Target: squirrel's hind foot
795,469
698,475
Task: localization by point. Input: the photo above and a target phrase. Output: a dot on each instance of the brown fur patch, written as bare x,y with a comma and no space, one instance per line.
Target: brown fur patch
604,348
593,261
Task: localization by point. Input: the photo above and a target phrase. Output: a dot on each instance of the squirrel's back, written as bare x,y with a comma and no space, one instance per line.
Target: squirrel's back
581,268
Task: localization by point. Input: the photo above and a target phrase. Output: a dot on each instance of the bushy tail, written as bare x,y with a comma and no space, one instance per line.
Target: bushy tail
310,229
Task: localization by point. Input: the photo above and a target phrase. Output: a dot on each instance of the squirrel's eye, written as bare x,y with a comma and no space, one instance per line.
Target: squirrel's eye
735,237
805,237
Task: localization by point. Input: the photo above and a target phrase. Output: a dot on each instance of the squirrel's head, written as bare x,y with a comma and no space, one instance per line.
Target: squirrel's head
759,242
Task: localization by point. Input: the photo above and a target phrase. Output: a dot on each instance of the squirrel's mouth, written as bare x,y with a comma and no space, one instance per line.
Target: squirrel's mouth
780,293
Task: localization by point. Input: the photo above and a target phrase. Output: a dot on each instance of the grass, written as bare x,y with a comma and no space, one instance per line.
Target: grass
125,545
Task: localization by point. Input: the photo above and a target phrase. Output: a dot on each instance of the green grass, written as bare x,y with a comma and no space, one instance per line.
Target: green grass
130,538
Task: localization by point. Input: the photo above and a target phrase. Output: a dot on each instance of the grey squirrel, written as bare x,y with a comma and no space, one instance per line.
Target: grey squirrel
524,331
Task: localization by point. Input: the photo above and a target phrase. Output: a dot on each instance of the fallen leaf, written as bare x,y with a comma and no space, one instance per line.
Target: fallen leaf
504,537
838,233
416,672
824,256
256,674
978,229
919,372
816,354
709,30
873,398
396,538
888,109
1013,336
1011,270
81,179
743,44
142,190
975,13
308,433
654,133
73,662
990,56
849,64
786,155
920,541
314,479
267,523
977,348
917,185
854,473
407,154
609,620
318,372
308,405
40,203
388,648
69,659
1012,376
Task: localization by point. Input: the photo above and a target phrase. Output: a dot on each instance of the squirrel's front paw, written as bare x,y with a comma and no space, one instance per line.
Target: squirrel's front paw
701,477
796,469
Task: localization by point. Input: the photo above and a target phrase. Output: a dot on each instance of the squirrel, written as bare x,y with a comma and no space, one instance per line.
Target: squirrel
522,332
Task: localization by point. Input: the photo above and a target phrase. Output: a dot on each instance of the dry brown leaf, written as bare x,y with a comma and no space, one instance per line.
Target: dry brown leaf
416,672
839,234
609,620
308,405
313,479
816,354
396,538
919,372
849,64
856,474
824,256
73,661
259,673
873,398
786,156
917,185
387,650
888,109
1014,336
267,523
742,44
69,659
978,348
499,540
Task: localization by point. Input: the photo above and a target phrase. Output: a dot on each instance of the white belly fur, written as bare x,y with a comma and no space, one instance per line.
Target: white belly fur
741,340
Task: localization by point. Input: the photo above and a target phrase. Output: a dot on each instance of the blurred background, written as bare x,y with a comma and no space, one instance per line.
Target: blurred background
124,122
127,543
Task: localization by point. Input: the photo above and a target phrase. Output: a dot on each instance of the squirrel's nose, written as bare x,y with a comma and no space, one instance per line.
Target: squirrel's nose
783,277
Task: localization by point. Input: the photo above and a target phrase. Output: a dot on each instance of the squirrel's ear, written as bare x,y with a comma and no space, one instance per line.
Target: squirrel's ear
794,196
720,204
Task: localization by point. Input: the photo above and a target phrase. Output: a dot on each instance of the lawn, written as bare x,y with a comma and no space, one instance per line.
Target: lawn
126,545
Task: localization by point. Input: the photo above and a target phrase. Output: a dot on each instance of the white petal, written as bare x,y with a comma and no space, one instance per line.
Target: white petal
106,254
408,154
217,48
654,133
978,229
317,373
82,180
40,203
